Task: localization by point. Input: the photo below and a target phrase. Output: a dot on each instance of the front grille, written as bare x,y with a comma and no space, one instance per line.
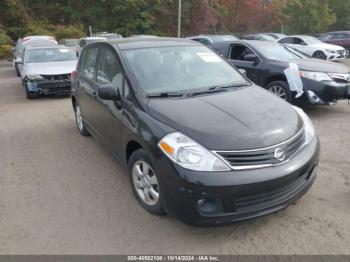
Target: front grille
257,158
274,197
57,77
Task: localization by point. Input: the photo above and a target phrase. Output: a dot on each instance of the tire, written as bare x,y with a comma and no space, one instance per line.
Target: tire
17,71
280,89
79,120
141,183
319,55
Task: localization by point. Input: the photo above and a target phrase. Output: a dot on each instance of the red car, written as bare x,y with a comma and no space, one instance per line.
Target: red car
341,38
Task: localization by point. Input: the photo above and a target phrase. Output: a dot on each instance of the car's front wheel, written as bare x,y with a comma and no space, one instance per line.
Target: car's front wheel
280,89
319,55
80,121
145,183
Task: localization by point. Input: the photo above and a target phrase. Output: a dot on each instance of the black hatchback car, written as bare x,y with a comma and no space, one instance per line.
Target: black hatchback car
200,141
322,82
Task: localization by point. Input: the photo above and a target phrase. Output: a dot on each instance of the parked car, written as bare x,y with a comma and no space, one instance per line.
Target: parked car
85,41
200,141
261,37
70,43
322,82
313,47
46,70
37,40
341,38
209,39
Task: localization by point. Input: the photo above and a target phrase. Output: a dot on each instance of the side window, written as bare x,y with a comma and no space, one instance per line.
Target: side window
90,62
238,52
109,69
126,90
82,43
338,37
287,40
299,41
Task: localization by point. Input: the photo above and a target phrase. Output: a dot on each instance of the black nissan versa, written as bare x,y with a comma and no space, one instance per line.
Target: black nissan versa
323,82
200,141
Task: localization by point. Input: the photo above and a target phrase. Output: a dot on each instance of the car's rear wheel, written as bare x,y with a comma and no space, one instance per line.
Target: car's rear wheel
319,55
280,89
145,183
80,121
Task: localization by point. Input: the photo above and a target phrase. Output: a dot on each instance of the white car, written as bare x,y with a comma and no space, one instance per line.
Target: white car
46,70
85,41
313,47
36,40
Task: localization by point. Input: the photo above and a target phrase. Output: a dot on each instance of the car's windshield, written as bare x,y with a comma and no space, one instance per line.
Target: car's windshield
311,40
223,38
277,52
181,69
49,55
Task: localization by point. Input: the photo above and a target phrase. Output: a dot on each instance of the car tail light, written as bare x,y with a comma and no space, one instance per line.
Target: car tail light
74,75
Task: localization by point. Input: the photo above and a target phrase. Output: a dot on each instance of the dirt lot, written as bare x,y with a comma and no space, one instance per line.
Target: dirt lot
61,193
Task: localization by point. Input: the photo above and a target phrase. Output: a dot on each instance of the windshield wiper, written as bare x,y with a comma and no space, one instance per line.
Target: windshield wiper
165,94
216,89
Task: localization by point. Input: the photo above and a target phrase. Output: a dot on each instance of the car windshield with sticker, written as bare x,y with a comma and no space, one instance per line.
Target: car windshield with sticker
181,69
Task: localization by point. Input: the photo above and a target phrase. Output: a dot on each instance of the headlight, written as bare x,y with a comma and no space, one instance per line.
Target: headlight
308,126
189,154
317,76
34,77
330,51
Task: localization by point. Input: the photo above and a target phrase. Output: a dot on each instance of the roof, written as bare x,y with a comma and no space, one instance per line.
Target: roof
93,38
149,42
47,46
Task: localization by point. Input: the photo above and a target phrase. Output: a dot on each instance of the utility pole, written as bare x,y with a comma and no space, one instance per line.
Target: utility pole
179,20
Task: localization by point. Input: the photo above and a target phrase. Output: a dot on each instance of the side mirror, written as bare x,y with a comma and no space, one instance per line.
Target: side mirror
109,92
243,72
18,61
251,58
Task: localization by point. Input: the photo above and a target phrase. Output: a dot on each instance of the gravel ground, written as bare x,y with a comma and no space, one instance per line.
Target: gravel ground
61,193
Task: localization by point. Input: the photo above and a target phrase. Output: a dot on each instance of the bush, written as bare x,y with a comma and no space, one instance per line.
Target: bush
62,32
5,51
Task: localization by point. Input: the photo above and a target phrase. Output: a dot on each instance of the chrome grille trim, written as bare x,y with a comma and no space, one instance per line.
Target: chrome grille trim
262,157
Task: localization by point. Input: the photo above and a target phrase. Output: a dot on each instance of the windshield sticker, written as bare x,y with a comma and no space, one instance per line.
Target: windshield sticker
209,57
64,50
294,80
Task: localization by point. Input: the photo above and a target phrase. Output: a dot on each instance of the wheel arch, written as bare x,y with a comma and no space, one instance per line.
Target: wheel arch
273,78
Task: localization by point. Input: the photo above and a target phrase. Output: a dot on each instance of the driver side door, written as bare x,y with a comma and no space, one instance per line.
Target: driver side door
236,57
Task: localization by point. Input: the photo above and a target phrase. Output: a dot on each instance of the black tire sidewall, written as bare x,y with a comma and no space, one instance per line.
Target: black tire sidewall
285,86
141,154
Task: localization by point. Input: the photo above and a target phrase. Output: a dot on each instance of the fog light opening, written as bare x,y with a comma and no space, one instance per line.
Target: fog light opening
313,97
207,206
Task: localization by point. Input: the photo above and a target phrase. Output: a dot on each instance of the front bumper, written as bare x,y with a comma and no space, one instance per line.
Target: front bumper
326,92
207,198
47,87
337,56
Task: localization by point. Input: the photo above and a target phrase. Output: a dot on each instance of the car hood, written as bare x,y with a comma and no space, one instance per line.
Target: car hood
50,68
246,118
327,46
317,65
